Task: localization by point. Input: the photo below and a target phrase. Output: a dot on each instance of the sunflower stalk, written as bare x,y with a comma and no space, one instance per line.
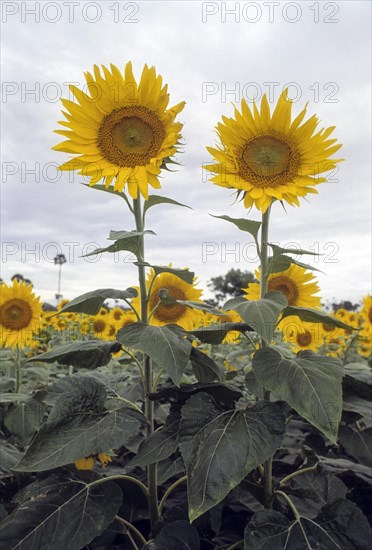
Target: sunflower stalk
264,285
148,374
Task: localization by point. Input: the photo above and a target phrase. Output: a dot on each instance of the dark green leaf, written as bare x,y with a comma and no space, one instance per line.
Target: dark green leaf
261,315
314,316
24,420
250,226
220,447
310,383
69,517
153,200
159,445
78,436
91,302
9,456
222,393
178,535
357,443
282,263
204,368
277,250
86,354
162,344
215,333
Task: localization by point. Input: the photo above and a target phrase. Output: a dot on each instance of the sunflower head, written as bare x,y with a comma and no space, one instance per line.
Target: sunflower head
268,156
20,314
297,284
301,335
164,312
366,317
120,131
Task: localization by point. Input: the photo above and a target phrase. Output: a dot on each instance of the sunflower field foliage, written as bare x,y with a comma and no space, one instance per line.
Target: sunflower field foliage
147,418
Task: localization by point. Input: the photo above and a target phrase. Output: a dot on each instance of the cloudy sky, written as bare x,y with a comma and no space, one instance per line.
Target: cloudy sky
210,54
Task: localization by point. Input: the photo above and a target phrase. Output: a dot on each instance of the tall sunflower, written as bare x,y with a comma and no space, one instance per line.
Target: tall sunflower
20,314
169,313
268,156
296,283
120,131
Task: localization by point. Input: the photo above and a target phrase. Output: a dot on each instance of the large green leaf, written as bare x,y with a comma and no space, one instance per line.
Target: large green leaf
357,443
277,250
339,526
62,442
91,302
310,383
9,456
153,200
310,315
87,354
162,344
24,419
166,298
250,226
222,393
65,514
124,240
204,368
261,315
177,535
282,263
221,447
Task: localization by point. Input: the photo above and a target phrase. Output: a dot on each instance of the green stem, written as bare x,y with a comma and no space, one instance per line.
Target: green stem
17,362
297,473
169,491
128,525
289,502
149,405
124,478
264,285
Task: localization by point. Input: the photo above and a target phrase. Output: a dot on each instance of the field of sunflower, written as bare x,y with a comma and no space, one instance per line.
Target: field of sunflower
145,417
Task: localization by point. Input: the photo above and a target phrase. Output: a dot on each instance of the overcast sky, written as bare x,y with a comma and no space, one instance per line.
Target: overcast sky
209,58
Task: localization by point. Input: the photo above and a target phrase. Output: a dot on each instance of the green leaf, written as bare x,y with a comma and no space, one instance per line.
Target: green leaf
9,456
62,442
91,302
357,443
215,333
282,263
124,240
68,515
159,445
24,420
310,315
250,226
86,354
153,200
277,250
221,447
162,344
204,368
261,315
177,535
183,274
310,383
339,526
166,298
222,393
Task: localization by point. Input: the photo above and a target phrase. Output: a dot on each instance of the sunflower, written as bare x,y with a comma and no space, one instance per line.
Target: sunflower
20,314
267,156
231,317
366,316
301,335
120,131
296,283
163,313
100,327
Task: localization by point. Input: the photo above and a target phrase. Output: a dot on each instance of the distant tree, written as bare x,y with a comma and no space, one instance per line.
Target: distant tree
229,285
345,304
18,277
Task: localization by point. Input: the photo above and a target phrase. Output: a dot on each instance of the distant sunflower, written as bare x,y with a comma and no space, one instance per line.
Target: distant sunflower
301,335
127,318
120,131
267,156
163,313
366,315
20,314
231,317
296,283
99,326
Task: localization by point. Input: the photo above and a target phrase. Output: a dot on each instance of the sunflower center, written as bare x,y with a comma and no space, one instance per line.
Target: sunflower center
328,327
286,286
304,338
370,315
99,325
168,313
131,136
15,314
268,161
